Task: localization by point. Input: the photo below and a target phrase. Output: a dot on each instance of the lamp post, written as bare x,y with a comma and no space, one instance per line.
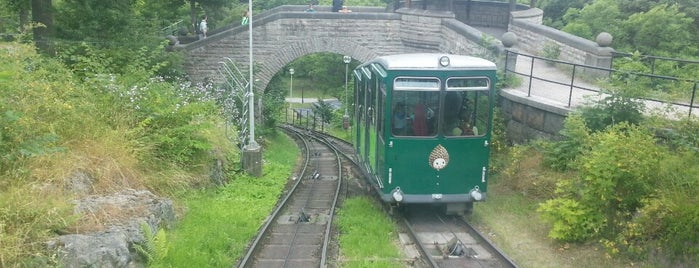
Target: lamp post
291,85
252,153
345,118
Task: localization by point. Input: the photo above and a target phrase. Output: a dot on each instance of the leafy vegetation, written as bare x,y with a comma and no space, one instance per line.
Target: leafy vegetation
122,132
640,28
551,50
366,235
154,246
625,186
219,223
660,28
112,103
325,71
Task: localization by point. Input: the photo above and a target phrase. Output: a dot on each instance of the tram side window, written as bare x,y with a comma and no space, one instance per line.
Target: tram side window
380,108
360,102
413,104
466,107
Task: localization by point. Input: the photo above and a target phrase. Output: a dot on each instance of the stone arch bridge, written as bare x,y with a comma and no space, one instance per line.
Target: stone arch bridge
472,27
286,33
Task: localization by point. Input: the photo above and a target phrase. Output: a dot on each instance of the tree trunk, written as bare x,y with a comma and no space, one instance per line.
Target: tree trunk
193,14
23,19
42,12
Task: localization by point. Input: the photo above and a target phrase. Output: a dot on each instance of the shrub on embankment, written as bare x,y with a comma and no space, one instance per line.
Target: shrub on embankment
124,130
622,185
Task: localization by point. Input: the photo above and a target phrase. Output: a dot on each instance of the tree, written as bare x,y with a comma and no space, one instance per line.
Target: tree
42,13
324,109
93,20
555,9
21,8
588,22
326,71
663,30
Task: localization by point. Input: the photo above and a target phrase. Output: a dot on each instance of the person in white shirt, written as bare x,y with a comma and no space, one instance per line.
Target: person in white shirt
203,28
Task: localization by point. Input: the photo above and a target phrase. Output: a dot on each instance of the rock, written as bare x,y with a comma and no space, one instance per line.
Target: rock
95,250
80,183
121,214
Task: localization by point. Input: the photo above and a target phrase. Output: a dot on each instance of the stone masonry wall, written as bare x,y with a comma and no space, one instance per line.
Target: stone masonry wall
530,118
533,36
484,13
280,38
286,33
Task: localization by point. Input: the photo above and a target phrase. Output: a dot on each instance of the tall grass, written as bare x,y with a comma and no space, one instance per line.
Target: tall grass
56,126
367,235
219,223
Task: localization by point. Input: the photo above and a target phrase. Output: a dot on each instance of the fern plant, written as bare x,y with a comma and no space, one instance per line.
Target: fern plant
154,246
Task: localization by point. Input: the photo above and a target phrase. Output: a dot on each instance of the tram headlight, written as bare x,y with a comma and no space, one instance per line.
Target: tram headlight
444,61
397,195
476,194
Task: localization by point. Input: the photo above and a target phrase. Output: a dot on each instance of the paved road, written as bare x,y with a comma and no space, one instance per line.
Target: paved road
308,100
563,95
560,95
552,85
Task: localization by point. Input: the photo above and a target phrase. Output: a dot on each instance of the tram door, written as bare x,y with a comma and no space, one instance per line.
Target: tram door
369,132
360,113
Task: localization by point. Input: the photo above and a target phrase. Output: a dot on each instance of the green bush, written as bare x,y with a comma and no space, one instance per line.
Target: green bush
562,155
677,230
41,106
616,174
551,50
52,124
571,220
611,110
667,220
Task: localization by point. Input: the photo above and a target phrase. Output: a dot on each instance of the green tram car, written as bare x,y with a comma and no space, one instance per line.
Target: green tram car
423,127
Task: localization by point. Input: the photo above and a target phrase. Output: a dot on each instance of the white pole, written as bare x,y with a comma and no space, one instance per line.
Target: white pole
291,85
251,107
346,60
345,118
346,65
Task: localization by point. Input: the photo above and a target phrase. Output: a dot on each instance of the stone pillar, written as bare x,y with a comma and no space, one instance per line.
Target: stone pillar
252,160
509,40
602,56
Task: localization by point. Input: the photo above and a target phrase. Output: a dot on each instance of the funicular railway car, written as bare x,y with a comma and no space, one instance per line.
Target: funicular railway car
423,127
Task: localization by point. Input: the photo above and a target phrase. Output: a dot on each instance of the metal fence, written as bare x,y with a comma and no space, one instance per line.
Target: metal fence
570,83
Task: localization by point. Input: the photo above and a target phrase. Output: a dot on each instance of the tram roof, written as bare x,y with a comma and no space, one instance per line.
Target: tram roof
432,61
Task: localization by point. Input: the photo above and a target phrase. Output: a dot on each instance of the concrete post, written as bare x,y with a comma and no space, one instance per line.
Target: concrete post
252,160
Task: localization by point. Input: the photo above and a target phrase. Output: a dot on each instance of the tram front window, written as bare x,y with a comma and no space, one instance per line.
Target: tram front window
414,103
466,107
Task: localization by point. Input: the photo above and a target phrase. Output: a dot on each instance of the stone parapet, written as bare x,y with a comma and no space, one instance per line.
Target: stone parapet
531,118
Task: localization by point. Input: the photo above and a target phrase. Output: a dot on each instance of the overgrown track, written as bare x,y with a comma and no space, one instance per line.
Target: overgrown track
431,239
298,232
450,241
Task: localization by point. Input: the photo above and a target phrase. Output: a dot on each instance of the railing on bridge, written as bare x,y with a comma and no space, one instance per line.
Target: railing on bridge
306,118
652,60
569,83
172,29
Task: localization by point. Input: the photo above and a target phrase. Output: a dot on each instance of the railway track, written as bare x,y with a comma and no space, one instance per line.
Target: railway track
433,239
298,233
448,241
